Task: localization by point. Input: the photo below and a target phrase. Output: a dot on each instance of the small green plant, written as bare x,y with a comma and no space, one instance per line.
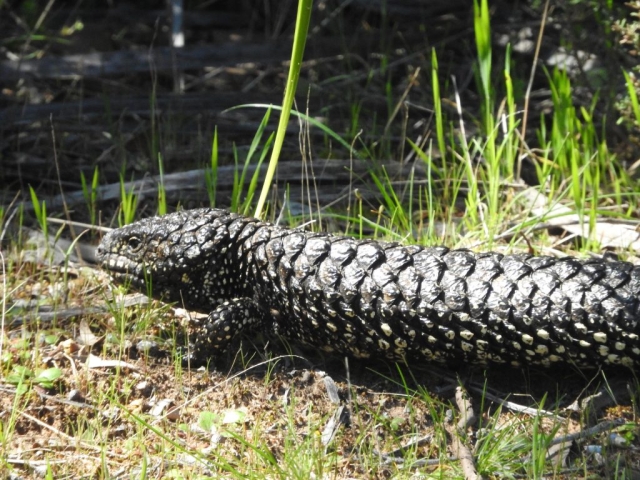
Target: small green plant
628,28
498,160
500,448
162,193
437,106
399,214
632,90
20,401
537,465
128,204
238,203
40,211
482,29
509,123
90,194
23,377
332,134
211,174
211,421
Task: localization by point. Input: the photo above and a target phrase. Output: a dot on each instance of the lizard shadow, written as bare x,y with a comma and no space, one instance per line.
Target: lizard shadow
580,392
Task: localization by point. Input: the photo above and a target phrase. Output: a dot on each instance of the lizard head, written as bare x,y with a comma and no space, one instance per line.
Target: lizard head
184,257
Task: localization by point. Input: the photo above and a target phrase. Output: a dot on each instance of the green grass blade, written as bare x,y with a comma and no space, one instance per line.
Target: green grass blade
299,41
211,176
256,174
633,96
437,105
162,193
252,149
312,121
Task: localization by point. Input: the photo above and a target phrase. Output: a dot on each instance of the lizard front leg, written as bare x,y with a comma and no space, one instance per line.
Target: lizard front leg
211,337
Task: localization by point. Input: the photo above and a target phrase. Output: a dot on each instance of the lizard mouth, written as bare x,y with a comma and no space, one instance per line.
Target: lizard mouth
123,270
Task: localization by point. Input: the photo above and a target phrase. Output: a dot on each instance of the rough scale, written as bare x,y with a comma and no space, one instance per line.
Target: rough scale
373,299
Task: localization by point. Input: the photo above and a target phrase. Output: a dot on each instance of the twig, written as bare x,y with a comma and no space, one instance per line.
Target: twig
424,462
63,314
467,419
76,442
588,432
62,221
64,401
562,444
400,102
517,407
416,442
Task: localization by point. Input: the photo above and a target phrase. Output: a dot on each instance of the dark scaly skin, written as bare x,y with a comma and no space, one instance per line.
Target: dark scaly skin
376,299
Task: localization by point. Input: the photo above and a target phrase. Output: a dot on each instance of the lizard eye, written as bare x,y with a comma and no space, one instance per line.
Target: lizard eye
134,243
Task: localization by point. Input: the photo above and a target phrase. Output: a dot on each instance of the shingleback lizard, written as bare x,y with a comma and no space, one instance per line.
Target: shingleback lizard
371,299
